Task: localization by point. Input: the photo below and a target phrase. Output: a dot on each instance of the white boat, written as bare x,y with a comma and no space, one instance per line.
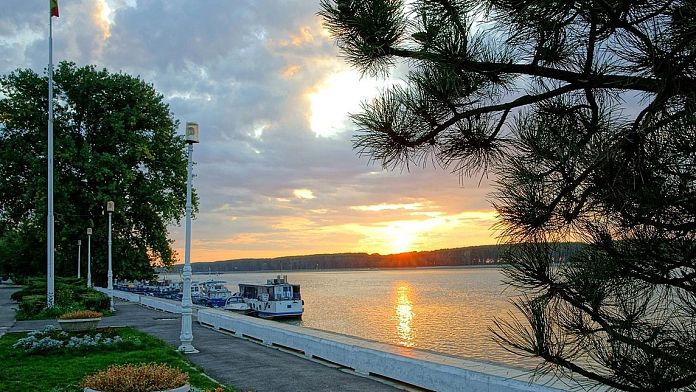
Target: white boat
236,303
215,292
196,293
275,299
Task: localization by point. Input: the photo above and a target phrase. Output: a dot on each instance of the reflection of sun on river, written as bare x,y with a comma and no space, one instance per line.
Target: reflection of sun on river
404,316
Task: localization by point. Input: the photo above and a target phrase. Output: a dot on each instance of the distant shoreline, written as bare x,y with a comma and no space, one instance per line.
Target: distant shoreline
287,272
481,256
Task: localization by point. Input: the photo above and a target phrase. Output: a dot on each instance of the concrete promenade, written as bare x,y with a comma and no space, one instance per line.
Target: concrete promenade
242,364
7,311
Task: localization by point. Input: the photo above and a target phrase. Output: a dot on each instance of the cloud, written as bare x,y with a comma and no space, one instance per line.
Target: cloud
275,170
385,206
303,194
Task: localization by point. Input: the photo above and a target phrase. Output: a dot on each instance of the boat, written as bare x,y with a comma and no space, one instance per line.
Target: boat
235,303
197,296
275,299
215,292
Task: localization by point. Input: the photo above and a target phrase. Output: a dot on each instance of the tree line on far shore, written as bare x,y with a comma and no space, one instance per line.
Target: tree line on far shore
471,255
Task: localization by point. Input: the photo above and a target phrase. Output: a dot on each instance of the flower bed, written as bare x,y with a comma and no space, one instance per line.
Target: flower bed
151,377
51,340
78,321
80,315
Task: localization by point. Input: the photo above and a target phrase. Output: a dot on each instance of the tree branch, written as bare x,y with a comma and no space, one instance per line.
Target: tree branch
521,101
679,85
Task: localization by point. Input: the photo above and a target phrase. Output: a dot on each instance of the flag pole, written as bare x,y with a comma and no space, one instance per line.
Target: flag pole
49,221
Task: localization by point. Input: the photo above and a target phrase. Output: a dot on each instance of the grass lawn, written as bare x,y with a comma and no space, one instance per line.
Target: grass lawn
59,372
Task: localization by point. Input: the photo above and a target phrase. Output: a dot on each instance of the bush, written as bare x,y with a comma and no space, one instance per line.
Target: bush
18,295
32,304
80,314
95,300
136,378
70,294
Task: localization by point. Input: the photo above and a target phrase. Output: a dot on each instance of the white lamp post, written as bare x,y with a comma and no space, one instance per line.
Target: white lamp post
110,274
79,245
186,305
89,257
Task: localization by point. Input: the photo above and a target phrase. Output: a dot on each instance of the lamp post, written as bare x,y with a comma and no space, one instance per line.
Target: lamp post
79,245
110,274
186,305
89,257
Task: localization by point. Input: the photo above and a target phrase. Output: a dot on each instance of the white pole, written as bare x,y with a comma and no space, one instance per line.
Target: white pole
110,274
186,305
49,215
89,257
79,246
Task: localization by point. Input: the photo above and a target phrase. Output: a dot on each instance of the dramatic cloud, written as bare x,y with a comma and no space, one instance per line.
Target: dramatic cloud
275,169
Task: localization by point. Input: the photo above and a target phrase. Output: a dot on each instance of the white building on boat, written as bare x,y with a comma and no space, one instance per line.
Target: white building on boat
275,299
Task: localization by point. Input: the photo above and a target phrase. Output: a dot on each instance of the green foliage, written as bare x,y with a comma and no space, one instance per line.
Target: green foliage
64,371
71,294
115,139
96,301
32,304
584,113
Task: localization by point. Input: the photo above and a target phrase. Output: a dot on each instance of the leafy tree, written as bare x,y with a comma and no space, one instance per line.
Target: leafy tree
583,112
115,139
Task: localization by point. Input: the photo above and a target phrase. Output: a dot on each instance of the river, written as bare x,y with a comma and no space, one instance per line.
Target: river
445,310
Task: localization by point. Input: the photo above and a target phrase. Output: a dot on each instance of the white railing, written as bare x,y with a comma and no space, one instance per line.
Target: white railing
161,304
165,305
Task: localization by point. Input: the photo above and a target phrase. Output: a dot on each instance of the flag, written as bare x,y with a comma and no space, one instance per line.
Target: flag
54,8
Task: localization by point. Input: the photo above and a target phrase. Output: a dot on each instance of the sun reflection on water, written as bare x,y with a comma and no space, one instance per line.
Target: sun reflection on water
404,317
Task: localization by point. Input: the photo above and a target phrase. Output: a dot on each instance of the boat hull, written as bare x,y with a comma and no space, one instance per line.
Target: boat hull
286,315
216,302
276,309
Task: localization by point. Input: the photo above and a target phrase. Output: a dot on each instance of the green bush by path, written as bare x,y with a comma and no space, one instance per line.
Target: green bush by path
71,294
63,372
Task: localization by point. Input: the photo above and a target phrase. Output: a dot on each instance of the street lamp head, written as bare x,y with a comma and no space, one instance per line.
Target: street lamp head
79,242
192,132
110,206
89,231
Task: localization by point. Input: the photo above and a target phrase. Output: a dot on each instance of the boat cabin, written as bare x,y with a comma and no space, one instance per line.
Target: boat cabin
274,290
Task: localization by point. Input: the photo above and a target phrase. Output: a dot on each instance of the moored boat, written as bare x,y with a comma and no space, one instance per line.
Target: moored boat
216,293
236,303
275,299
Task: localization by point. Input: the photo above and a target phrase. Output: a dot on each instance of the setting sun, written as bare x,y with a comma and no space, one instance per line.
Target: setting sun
401,235
336,96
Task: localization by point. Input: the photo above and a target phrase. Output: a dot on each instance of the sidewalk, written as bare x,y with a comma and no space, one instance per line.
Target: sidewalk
7,307
245,365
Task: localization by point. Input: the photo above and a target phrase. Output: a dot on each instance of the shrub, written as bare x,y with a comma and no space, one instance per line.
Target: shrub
70,294
20,294
32,304
80,314
136,378
95,300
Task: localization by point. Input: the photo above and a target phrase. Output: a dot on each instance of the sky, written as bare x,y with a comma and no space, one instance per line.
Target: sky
275,170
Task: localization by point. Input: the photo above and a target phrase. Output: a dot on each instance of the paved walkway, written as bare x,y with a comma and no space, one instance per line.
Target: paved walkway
7,308
243,364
